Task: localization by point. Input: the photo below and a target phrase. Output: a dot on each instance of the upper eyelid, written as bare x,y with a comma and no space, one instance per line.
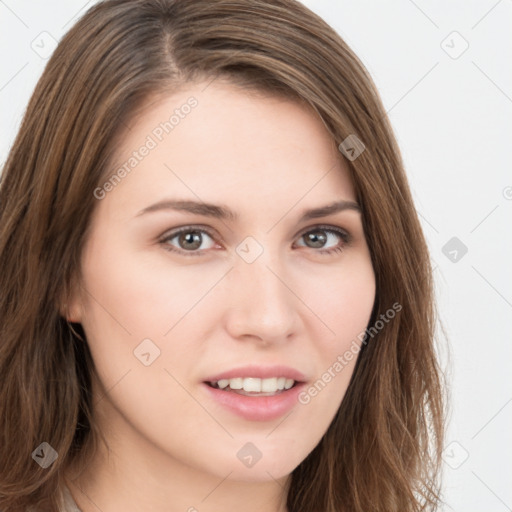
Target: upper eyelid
193,227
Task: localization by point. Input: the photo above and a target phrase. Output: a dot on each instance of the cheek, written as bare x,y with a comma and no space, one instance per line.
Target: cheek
139,322
342,300
344,304
140,310
139,294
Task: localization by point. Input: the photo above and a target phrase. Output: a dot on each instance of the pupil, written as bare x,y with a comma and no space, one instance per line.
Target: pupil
318,238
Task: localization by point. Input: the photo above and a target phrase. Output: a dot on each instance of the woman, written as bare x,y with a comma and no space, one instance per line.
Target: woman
216,292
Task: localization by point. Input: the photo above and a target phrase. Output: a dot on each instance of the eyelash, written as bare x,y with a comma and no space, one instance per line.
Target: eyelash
346,238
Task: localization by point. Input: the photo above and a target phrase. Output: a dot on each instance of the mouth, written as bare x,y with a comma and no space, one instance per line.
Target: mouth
256,393
252,386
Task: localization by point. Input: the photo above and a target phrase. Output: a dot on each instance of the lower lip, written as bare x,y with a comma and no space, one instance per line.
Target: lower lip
257,408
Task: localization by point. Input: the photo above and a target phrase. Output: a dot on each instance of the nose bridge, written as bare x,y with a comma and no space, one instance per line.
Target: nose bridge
262,304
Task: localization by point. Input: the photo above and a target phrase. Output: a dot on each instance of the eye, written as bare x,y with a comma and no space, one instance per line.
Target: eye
195,241
191,240
326,238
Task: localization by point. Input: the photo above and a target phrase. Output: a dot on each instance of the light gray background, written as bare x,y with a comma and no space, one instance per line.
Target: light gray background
451,111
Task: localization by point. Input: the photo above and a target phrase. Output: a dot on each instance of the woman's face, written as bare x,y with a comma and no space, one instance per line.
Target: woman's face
260,290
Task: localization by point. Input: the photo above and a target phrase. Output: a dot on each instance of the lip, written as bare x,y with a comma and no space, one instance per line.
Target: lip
257,408
259,372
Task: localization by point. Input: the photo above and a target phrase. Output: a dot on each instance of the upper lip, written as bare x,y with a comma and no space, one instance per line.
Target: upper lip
259,372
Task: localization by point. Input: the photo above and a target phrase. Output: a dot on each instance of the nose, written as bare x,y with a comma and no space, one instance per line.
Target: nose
262,303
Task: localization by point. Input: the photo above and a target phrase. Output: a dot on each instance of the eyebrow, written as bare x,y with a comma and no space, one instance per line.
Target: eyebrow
224,213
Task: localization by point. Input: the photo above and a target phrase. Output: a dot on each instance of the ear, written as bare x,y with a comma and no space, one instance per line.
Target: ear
72,312
70,304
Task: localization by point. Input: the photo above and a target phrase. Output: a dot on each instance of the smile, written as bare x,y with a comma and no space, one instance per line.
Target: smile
251,386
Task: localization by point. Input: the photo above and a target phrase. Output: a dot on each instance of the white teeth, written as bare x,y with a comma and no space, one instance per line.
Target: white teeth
237,383
223,383
251,384
255,385
269,385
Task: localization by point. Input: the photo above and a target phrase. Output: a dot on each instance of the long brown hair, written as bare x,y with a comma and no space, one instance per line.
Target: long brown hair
382,450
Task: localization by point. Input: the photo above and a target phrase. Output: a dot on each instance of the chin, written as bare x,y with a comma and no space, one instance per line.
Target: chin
262,473
270,461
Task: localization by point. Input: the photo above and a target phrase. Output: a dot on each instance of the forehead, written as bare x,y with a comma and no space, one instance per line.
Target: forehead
218,141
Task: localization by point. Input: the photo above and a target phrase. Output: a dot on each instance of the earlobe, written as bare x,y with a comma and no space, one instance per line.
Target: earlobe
70,306
72,313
